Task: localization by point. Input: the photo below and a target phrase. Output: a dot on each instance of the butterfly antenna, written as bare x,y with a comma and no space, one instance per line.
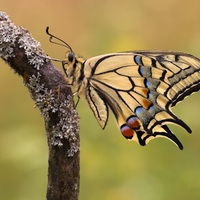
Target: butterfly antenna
63,43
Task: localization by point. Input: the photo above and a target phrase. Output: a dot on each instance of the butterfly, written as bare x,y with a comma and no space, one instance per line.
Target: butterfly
140,88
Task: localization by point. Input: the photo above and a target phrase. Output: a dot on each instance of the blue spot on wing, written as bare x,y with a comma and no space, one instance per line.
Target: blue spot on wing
141,71
137,60
147,83
138,110
151,107
150,94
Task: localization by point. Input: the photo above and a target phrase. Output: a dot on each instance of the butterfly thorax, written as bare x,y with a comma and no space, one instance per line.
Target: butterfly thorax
74,69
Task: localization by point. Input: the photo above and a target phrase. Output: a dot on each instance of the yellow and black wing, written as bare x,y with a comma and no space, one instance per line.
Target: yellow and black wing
140,87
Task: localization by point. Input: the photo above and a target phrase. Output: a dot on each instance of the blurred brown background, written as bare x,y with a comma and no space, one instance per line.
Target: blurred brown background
111,167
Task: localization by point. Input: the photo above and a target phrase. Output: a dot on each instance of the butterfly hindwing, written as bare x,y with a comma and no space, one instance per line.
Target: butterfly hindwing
98,106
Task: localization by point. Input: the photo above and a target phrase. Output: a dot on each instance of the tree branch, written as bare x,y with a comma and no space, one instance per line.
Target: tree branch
53,97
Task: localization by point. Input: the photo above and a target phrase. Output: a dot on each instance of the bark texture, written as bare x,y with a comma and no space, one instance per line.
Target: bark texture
53,97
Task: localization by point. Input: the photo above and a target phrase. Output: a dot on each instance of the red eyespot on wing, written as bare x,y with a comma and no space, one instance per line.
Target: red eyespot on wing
126,131
133,122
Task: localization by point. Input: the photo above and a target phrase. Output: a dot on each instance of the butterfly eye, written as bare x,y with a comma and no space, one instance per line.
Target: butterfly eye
71,57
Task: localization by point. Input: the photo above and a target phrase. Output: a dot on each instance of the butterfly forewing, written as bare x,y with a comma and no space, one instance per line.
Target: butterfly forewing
140,88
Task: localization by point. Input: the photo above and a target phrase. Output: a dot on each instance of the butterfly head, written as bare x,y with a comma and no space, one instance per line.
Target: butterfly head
69,64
